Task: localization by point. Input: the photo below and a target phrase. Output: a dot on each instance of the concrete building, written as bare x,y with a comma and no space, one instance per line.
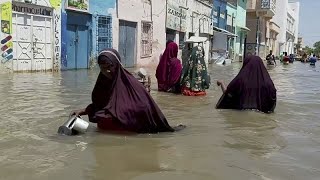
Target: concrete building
222,38
259,14
299,45
287,19
241,29
276,23
231,27
200,24
178,22
86,30
293,26
30,35
236,24
139,31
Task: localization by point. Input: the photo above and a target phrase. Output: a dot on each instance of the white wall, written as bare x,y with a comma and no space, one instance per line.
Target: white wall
295,7
199,11
56,39
280,18
137,11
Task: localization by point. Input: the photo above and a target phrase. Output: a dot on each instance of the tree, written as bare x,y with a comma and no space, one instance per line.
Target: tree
308,50
317,48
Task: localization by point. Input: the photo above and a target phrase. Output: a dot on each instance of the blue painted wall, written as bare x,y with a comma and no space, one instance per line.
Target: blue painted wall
96,8
221,7
99,8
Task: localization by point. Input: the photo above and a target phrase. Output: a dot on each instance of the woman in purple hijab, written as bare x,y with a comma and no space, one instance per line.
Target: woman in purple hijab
252,88
169,70
120,102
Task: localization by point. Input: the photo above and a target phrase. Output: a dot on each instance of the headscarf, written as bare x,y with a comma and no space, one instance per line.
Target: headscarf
168,72
252,88
194,74
168,42
126,100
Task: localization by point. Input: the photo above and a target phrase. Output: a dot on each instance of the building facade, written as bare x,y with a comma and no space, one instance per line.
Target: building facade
30,35
200,24
222,41
41,35
86,30
231,27
241,29
276,25
139,31
259,14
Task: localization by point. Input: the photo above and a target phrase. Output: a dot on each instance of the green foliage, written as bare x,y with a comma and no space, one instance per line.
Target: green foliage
316,47
308,50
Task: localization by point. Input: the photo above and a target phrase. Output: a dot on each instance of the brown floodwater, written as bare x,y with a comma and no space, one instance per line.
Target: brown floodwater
217,144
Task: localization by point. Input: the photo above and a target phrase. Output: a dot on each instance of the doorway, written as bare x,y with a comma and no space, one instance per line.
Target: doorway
78,40
128,43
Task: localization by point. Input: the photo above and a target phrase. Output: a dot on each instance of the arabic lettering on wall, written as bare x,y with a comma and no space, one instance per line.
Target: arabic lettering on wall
176,16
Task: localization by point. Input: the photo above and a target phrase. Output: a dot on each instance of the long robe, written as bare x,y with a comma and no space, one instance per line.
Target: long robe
126,100
252,88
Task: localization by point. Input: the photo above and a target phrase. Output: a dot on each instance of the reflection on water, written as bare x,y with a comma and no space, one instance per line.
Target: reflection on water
218,144
252,132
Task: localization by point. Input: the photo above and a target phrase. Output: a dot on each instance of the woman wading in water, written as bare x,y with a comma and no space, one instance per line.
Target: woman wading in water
121,103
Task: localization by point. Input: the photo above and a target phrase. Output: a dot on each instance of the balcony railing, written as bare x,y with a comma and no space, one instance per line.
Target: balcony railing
268,5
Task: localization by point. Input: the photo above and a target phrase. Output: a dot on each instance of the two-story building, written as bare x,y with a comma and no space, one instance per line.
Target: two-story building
222,37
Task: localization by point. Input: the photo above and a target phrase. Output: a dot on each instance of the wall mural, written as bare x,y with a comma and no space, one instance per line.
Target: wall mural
79,5
6,31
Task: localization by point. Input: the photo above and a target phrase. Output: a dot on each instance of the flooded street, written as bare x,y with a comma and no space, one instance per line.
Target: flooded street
217,144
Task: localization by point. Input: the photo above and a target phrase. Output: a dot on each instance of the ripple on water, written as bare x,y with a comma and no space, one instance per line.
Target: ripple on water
221,144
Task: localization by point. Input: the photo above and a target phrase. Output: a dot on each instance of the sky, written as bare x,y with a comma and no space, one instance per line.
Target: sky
309,22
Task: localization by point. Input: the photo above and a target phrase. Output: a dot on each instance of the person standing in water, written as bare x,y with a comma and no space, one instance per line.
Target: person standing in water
195,78
120,102
251,89
271,59
169,70
313,60
286,58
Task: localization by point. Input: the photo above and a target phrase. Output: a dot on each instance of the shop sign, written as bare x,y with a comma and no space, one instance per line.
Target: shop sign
31,9
176,16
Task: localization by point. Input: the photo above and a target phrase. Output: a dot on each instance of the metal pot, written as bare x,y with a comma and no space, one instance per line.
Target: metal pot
74,125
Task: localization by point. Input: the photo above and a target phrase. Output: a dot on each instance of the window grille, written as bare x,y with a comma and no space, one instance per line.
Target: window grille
146,39
104,34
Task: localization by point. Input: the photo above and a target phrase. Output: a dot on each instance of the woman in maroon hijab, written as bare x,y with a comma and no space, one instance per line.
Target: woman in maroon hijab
120,102
252,88
169,70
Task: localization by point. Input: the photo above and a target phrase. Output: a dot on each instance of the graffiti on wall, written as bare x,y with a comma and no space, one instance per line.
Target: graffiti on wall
6,31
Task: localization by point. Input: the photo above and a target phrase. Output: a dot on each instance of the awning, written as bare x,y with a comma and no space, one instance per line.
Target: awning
245,28
196,39
216,29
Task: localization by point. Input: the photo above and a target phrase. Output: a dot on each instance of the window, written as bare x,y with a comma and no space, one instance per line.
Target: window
104,34
146,39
